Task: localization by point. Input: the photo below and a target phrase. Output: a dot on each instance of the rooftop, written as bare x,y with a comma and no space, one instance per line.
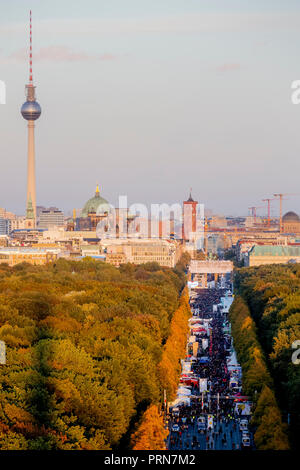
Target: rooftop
17,250
290,217
267,250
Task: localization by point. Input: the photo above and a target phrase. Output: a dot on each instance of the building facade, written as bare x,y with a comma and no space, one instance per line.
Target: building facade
163,252
266,254
189,225
5,226
13,256
18,223
291,223
51,218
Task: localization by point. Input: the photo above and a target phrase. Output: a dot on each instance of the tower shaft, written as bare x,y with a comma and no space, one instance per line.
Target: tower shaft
31,111
31,189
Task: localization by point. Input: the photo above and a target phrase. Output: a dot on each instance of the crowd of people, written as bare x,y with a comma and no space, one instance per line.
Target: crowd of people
208,417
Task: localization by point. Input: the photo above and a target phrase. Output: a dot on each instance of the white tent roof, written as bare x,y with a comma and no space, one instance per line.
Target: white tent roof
183,391
232,361
181,401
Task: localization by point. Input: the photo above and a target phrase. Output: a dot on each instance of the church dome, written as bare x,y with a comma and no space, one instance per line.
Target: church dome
290,217
96,204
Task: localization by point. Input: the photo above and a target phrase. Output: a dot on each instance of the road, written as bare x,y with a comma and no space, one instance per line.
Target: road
207,441
218,402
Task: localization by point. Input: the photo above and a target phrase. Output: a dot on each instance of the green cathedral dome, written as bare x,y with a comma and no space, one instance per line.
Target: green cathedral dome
96,204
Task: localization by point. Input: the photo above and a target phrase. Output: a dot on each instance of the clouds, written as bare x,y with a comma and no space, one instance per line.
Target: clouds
221,21
229,67
58,54
170,97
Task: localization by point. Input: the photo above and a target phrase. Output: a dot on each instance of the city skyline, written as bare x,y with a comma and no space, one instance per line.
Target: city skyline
150,228
150,116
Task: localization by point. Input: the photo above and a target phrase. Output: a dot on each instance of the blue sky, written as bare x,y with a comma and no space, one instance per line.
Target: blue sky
150,98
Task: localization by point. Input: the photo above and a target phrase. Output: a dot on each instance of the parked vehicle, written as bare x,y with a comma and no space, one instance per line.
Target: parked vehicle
201,423
243,425
246,441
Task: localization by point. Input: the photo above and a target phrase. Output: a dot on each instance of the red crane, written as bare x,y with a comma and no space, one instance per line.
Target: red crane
268,200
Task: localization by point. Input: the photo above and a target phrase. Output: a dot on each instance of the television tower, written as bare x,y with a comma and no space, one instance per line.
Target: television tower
30,111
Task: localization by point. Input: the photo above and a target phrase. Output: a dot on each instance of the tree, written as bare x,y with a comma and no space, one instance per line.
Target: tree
151,433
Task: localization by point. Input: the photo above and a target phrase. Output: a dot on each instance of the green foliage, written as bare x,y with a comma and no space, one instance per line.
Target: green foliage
273,295
257,381
270,433
84,340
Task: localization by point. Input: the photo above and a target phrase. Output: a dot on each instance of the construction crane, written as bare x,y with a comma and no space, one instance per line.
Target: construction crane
268,200
253,211
205,236
280,196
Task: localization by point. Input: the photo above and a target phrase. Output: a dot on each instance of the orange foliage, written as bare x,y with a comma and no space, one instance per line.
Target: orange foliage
16,414
151,434
175,347
61,324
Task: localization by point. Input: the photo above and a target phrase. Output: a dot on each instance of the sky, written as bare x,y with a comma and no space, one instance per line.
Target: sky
152,98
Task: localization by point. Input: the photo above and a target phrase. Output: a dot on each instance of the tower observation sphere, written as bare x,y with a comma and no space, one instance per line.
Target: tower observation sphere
31,110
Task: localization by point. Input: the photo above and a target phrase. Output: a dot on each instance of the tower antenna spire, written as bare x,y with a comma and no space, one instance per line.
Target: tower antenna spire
31,111
30,51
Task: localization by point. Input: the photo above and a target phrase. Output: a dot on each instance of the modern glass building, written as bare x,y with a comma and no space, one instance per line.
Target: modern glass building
5,226
51,218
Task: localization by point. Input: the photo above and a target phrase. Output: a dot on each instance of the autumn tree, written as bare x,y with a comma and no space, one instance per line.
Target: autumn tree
151,433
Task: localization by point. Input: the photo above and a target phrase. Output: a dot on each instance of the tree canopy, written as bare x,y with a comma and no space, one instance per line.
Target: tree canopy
272,296
84,341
